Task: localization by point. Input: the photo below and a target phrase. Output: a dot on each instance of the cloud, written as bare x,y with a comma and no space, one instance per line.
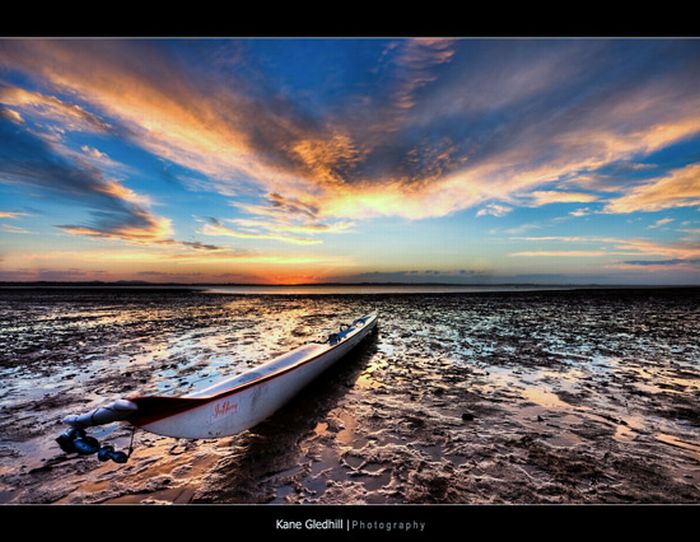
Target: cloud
328,158
139,227
281,219
677,255
306,228
583,211
680,188
197,245
93,152
663,263
12,229
12,115
520,229
693,232
8,214
494,209
547,197
679,250
659,223
560,253
413,62
569,238
70,116
203,124
117,212
218,230
454,124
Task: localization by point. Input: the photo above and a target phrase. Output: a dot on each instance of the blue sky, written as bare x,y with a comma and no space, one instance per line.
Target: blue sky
443,160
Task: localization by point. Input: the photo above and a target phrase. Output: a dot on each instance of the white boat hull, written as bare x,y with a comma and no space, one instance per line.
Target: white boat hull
249,400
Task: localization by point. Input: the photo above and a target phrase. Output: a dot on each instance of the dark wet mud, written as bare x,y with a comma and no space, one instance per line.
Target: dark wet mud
552,397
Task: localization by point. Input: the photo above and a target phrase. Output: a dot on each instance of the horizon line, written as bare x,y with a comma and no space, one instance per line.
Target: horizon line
325,284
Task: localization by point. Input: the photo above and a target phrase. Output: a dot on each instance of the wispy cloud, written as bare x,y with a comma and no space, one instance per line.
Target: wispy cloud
10,214
682,253
494,209
414,61
521,229
675,262
69,116
218,230
560,253
7,228
416,129
282,219
680,188
117,211
546,197
659,223
12,115
220,129
583,211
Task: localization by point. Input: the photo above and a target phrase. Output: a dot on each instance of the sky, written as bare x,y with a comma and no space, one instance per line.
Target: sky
350,160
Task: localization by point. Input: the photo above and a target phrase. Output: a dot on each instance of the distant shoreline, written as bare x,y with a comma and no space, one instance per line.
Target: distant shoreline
363,289
143,284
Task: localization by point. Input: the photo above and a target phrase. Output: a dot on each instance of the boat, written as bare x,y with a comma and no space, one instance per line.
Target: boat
226,407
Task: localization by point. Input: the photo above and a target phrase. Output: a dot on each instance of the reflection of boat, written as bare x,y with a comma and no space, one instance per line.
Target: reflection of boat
234,404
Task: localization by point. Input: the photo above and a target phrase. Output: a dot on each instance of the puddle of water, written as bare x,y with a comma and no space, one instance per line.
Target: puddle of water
435,451
282,493
544,398
347,436
328,460
456,459
373,483
354,461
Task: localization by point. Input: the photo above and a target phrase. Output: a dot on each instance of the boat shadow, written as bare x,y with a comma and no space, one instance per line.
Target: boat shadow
274,446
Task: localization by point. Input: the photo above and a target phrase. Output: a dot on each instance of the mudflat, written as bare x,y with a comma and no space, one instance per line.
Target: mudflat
503,397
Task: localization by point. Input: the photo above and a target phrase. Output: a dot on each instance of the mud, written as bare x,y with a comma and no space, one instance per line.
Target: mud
525,397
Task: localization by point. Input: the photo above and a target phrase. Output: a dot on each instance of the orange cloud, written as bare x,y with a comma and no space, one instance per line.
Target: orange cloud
119,191
228,136
684,251
151,229
328,158
11,114
7,214
681,188
679,255
70,116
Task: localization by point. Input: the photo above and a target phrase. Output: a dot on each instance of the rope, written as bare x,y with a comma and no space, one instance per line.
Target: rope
131,442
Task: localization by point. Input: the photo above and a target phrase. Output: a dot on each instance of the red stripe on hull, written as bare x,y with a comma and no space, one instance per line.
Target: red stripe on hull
152,408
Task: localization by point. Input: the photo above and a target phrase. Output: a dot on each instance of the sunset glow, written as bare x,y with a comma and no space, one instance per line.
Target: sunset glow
350,160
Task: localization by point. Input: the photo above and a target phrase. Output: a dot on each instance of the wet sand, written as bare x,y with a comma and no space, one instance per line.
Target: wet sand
550,397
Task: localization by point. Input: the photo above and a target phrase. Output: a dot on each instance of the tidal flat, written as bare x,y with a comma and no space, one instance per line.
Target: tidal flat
581,396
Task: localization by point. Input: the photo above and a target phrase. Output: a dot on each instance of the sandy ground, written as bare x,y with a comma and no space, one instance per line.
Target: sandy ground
556,397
